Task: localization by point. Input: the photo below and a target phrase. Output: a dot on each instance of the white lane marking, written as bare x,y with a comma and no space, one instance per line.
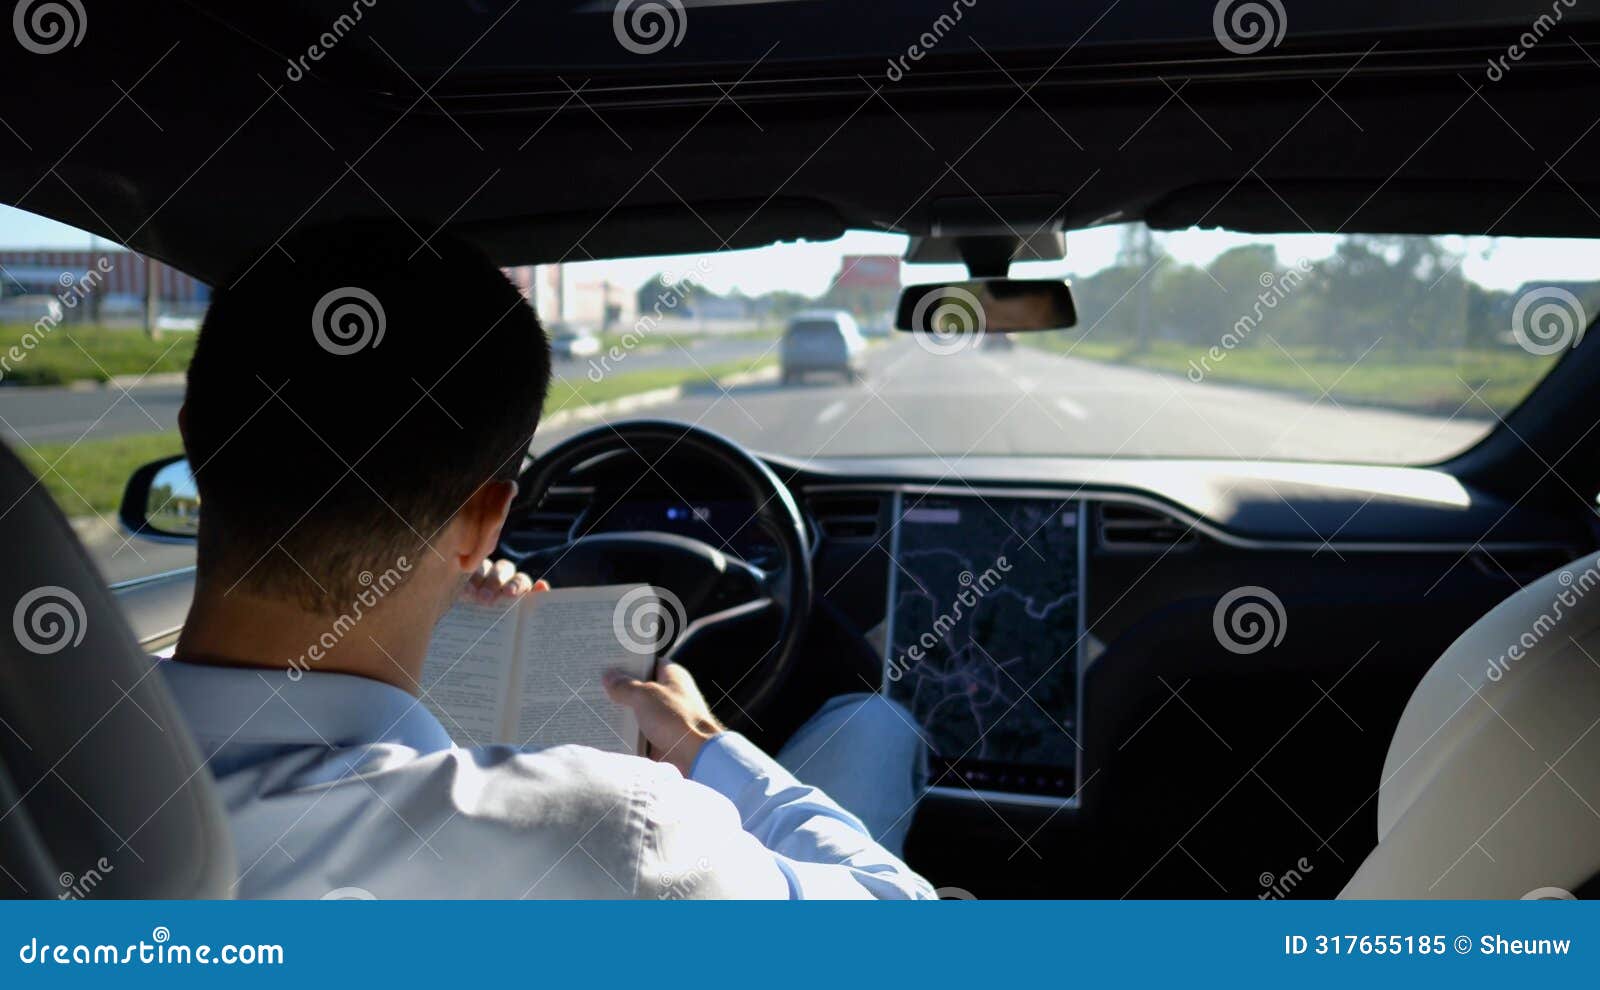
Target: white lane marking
832,411
1071,408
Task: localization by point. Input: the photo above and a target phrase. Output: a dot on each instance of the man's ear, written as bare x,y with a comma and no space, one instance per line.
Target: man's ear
479,522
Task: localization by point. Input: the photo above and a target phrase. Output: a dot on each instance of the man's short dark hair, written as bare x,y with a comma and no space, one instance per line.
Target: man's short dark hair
349,392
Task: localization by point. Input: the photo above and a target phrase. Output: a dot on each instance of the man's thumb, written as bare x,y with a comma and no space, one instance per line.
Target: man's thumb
621,687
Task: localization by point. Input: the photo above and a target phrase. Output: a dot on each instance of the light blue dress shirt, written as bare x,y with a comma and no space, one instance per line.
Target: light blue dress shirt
343,786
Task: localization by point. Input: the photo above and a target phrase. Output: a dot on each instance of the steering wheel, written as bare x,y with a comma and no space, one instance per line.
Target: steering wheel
703,588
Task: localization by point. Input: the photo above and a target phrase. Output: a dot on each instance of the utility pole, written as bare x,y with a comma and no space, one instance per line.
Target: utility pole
97,293
152,298
1138,253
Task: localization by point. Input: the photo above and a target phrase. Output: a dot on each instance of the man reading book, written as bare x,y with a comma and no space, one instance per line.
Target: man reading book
358,407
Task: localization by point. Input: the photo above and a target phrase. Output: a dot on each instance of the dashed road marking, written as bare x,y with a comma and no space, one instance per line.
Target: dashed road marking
1071,408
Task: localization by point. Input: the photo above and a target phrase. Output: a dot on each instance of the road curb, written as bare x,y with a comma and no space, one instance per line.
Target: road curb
645,400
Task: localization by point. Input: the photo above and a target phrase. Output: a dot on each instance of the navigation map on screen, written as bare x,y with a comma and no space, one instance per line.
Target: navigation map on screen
983,637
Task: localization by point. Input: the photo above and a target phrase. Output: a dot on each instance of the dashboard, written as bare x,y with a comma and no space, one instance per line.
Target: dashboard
1086,678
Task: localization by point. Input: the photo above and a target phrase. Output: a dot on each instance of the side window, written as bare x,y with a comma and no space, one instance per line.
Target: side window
94,340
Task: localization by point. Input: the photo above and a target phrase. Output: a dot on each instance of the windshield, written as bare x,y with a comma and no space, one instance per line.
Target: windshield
1199,343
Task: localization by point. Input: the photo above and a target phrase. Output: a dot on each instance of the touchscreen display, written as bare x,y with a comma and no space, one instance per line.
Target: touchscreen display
983,637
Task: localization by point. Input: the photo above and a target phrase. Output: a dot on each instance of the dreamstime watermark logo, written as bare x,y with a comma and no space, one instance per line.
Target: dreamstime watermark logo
1549,894
74,290
374,589
1573,588
681,886
954,894
1276,888
1249,619
349,894
929,39
45,27
1529,39
1275,288
645,27
1548,320
77,887
48,620
974,588
348,319
1245,27
948,321
329,39
645,618
159,951
672,295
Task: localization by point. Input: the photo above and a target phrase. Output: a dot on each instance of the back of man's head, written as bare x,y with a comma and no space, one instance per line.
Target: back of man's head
348,394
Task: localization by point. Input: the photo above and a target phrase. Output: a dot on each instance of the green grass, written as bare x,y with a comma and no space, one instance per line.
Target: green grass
573,394
88,477
76,352
1424,381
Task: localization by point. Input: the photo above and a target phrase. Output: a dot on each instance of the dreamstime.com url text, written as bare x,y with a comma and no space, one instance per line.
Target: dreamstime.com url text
159,951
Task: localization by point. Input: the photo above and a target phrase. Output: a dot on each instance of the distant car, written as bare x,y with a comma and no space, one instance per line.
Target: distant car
824,342
570,343
882,326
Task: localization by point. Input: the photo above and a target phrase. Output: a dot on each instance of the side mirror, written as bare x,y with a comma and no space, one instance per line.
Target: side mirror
161,502
986,305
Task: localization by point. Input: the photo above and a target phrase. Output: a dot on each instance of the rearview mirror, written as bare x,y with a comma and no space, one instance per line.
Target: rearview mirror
161,502
986,305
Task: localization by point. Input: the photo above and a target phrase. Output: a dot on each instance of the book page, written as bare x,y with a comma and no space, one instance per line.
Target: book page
467,672
568,642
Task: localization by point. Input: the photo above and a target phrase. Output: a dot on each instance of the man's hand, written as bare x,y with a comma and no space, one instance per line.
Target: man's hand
672,713
500,582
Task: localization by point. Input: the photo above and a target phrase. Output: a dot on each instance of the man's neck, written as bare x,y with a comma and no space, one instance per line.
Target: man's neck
386,642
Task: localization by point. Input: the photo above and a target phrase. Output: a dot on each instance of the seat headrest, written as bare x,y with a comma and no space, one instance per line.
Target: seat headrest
1492,777
98,774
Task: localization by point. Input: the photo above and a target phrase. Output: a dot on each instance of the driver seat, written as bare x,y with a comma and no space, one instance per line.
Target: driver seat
1491,787
102,792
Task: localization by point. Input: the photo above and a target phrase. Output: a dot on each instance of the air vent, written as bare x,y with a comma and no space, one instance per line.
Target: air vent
846,515
1134,527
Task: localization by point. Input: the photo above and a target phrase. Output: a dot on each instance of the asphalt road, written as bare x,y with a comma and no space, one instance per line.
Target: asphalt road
1027,402
45,415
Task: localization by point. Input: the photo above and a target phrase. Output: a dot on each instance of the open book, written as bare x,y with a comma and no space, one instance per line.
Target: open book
529,672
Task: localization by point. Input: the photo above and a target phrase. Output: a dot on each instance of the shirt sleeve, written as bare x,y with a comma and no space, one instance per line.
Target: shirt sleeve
743,826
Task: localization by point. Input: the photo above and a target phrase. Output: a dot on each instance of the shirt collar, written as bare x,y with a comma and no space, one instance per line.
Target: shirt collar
239,705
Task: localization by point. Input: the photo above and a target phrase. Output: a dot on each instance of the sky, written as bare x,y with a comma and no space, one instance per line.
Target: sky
808,267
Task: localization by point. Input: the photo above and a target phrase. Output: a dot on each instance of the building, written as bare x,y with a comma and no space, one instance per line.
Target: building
598,305
118,290
868,285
